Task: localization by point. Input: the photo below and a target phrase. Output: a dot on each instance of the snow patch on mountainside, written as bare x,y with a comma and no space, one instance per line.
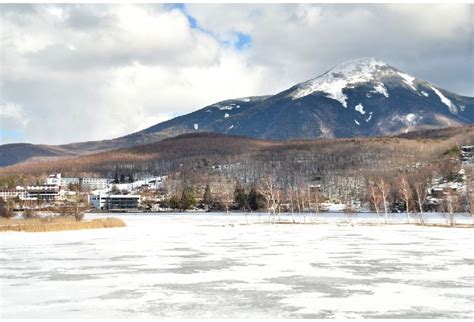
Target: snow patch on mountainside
326,131
335,80
407,79
452,108
360,108
356,122
424,93
410,118
229,107
196,126
370,117
226,115
380,89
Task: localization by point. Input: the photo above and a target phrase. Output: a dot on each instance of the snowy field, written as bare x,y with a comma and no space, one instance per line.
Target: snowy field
213,265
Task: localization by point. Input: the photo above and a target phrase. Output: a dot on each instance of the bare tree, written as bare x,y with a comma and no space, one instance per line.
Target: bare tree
451,199
375,196
303,199
291,193
406,192
384,188
421,194
317,200
470,194
269,190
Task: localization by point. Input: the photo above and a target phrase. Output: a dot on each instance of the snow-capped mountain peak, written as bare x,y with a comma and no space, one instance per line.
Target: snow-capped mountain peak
336,79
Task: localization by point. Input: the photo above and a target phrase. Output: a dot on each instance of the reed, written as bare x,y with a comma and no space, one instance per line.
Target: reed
57,224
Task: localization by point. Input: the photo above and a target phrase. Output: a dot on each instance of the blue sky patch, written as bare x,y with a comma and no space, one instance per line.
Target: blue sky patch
182,7
243,40
10,136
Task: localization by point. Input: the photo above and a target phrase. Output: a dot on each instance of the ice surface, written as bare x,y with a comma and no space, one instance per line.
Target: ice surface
452,108
215,265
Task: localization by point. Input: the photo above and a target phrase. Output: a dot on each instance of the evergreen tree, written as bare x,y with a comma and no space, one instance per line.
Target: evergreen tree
131,179
122,178
116,178
256,200
241,197
174,202
207,197
115,190
188,200
5,211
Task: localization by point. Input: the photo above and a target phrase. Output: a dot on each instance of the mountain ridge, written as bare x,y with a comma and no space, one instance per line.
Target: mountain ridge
197,151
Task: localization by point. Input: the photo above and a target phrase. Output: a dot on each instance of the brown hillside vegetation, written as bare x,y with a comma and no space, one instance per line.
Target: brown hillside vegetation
249,157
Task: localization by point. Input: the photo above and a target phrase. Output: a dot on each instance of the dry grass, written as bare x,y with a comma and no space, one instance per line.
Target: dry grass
57,224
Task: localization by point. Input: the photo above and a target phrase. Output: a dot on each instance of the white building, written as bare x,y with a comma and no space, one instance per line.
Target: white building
54,179
94,183
115,202
57,180
47,192
19,192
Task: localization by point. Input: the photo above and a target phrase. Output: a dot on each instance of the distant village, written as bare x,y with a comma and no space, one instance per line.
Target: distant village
101,193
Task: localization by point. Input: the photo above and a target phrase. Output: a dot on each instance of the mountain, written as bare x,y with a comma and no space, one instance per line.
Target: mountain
363,97
19,152
358,98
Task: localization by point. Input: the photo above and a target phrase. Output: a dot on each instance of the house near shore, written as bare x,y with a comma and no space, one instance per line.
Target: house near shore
45,193
115,202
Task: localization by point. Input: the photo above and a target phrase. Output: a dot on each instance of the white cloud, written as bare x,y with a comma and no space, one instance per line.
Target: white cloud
13,122
142,66
12,116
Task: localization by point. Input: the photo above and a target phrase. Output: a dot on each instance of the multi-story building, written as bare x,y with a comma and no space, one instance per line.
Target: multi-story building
57,180
54,179
115,202
19,192
46,192
87,182
94,183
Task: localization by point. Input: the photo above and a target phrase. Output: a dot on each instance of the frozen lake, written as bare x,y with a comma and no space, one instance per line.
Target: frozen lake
199,266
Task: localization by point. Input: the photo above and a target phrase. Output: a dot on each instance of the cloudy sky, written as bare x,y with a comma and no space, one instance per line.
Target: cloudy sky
87,72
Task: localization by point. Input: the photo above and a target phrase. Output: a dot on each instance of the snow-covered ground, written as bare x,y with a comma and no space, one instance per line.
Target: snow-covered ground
214,265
